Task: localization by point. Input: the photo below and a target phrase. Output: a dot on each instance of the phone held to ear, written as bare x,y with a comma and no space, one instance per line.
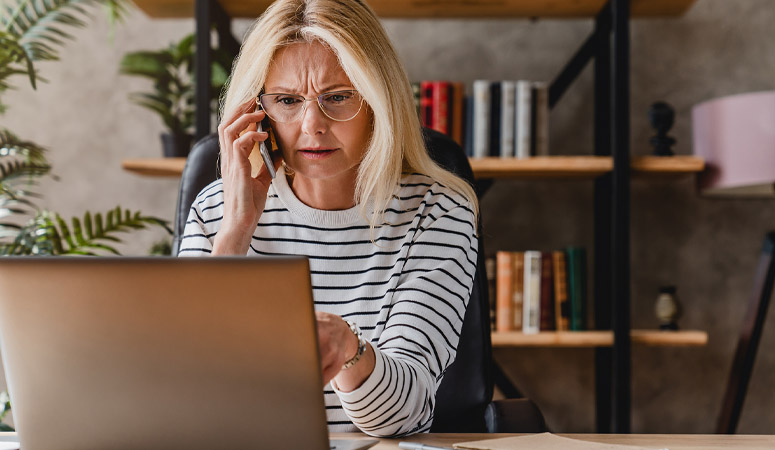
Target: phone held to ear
262,148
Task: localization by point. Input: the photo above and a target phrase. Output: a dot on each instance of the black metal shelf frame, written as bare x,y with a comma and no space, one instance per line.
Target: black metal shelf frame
609,46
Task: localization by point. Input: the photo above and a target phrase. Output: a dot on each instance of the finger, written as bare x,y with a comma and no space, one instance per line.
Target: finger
244,144
246,107
245,122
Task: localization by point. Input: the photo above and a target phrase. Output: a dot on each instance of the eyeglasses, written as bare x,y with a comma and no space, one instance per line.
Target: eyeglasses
340,106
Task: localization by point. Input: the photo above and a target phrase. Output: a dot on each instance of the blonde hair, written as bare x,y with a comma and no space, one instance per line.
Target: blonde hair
350,28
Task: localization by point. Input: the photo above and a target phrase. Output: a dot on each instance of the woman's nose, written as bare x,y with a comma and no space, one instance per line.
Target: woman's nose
313,121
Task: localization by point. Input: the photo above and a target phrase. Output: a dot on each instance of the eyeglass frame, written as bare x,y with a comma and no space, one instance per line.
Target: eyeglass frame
316,99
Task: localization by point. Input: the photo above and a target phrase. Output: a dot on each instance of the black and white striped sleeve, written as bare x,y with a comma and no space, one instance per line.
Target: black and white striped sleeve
421,332
204,218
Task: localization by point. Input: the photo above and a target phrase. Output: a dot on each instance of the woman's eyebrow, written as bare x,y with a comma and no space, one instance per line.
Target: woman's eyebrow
290,90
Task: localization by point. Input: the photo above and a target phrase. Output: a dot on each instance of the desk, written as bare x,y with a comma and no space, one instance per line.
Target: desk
670,441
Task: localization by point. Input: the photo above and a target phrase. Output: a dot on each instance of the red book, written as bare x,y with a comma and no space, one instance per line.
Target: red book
456,101
426,103
547,292
440,106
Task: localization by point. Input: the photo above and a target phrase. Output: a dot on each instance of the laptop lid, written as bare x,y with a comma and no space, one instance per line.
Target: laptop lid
161,353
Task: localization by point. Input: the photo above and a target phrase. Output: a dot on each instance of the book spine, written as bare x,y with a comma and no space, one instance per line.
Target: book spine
524,94
532,119
547,290
532,294
508,97
495,118
561,310
489,268
481,129
456,115
416,96
426,103
541,118
440,105
577,287
518,291
504,284
468,133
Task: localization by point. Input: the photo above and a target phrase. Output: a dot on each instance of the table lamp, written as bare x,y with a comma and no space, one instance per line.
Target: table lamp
736,137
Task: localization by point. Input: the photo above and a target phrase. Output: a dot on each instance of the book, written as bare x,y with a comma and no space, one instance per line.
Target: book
440,106
489,268
469,128
508,111
523,127
416,95
518,291
541,118
457,112
481,130
547,318
531,298
561,307
577,287
426,103
503,291
495,118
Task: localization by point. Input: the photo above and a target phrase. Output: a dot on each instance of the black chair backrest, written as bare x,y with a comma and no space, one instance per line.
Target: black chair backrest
467,387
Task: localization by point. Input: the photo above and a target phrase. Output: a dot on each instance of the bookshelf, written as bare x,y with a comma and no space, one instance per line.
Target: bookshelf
484,168
439,8
608,47
597,338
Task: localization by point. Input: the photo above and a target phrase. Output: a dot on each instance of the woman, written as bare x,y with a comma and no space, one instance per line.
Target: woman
390,236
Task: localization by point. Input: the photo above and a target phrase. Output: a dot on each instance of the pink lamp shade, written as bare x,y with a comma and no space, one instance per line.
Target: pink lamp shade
736,136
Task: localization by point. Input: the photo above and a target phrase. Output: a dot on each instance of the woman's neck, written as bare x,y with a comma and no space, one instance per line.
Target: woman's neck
330,194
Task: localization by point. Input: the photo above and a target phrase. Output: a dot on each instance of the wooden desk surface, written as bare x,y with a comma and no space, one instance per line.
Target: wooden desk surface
669,441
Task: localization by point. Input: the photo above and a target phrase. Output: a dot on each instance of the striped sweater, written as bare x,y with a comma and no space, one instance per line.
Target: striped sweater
406,285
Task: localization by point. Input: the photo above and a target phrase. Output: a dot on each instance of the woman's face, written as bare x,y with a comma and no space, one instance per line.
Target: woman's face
315,146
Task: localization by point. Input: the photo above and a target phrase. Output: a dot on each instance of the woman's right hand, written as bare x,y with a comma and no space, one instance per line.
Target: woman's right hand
244,196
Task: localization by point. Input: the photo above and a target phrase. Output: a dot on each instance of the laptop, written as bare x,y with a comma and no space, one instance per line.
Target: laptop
163,353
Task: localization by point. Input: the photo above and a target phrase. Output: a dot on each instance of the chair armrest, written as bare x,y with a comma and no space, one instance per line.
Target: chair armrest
518,415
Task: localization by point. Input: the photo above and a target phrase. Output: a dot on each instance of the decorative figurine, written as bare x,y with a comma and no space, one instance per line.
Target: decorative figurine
661,116
667,308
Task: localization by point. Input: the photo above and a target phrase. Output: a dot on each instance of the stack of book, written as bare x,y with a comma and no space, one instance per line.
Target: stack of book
503,118
541,291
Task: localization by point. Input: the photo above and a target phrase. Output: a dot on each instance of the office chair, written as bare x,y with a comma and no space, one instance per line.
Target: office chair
464,398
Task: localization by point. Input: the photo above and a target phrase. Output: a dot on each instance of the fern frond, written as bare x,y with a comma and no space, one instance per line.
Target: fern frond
12,145
12,170
49,234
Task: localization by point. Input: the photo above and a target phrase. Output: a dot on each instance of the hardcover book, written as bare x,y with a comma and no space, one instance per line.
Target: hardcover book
577,287
547,297
503,291
531,318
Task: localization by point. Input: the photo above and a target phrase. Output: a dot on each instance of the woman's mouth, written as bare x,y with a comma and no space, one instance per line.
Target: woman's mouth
317,153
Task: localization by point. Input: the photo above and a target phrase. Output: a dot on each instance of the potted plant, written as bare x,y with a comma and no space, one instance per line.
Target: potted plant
172,72
31,31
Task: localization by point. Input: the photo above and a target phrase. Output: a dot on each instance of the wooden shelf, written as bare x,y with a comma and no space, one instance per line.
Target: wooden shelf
440,8
598,338
155,167
542,167
536,167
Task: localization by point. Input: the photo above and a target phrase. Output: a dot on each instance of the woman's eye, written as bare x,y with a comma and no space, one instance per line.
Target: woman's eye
287,101
337,98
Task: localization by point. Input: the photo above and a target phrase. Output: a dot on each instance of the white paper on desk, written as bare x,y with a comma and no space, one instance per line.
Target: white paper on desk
543,441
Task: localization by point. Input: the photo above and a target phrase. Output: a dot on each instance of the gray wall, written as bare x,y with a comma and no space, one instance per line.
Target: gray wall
707,247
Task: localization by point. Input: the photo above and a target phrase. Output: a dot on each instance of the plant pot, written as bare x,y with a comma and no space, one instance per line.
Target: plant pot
176,145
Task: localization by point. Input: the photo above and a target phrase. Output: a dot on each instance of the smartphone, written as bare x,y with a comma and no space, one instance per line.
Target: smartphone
265,151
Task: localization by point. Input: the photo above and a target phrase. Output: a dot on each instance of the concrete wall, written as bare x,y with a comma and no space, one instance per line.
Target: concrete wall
707,247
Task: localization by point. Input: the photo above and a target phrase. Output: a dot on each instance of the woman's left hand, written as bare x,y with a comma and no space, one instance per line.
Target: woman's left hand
336,342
